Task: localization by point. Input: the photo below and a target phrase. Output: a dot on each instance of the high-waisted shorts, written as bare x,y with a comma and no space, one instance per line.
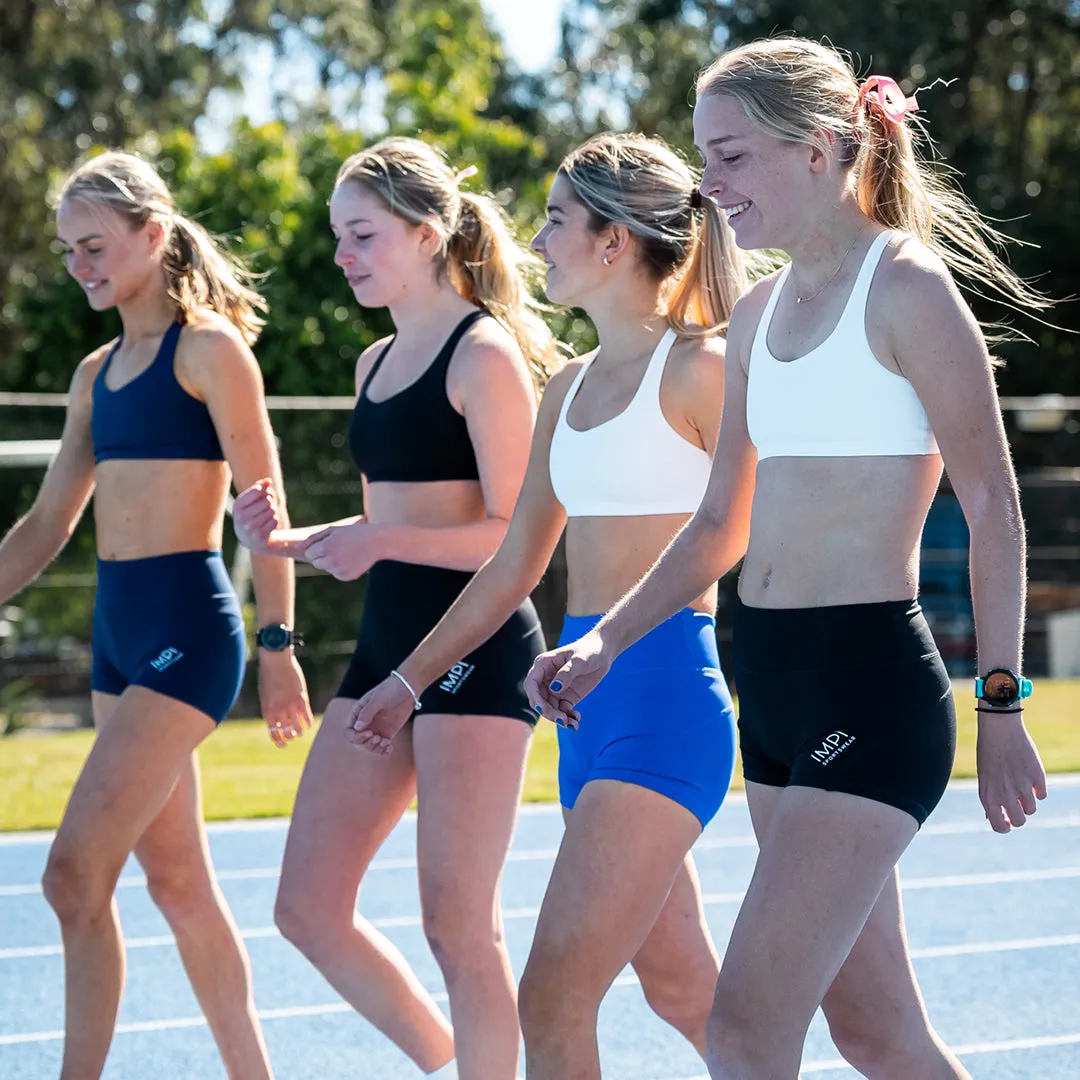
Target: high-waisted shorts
853,698
403,602
172,624
661,718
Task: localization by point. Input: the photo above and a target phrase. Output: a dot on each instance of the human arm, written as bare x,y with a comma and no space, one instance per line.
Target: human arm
223,372
705,549
40,534
489,599
944,356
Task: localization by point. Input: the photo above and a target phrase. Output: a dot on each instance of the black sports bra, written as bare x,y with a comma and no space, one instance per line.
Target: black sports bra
416,436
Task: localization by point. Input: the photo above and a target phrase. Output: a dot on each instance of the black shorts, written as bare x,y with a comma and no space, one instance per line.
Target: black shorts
852,698
403,602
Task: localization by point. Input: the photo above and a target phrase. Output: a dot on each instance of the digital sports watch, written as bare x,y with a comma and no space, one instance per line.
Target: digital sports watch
1002,689
277,637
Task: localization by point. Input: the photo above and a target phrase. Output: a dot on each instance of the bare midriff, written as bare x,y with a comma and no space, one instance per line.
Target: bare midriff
830,531
147,508
438,504
607,556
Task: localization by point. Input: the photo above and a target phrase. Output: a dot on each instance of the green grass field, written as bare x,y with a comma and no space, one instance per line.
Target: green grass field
245,776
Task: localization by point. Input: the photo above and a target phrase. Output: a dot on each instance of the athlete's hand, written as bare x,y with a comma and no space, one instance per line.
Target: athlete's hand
283,696
378,716
1011,774
255,517
345,551
561,678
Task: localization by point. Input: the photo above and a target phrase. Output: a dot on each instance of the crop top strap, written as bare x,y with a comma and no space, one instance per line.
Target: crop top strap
765,322
447,351
860,292
375,367
654,373
568,398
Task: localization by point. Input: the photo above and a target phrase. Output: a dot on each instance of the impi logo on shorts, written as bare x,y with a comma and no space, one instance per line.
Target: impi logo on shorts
166,659
831,746
456,676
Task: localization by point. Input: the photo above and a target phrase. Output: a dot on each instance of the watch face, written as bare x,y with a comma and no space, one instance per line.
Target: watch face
273,637
1000,688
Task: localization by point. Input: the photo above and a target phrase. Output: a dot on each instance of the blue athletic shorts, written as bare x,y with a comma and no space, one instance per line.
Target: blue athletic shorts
171,623
662,718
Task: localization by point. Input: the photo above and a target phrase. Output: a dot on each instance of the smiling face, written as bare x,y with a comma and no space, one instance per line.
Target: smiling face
765,185
381,254
109,258
572,251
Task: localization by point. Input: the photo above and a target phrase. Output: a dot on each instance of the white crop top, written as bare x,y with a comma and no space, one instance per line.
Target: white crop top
634,464
837,400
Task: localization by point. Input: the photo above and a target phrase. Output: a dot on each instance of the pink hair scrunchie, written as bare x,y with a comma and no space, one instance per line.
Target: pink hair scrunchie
885,94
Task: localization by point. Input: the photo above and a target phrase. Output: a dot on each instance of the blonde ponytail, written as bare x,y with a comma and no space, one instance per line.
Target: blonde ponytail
478,252
490,269
714,279
198,271
201,274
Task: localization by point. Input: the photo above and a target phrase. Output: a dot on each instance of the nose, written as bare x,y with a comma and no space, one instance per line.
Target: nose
77,264
711,183
537,242
342,257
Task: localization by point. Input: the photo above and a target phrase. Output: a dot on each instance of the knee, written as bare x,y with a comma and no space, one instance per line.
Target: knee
77,891
299,922
461,940
181,897
682,998
732,1036
881,1046
555,994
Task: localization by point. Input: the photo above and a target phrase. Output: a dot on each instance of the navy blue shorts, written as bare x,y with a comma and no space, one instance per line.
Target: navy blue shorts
661,718
171,623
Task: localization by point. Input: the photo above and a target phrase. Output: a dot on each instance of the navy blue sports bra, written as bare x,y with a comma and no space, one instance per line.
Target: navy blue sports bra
416,436
152,417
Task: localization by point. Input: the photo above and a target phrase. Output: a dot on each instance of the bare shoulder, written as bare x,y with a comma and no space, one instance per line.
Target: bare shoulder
559,384
210,340
489,349
367,358
912,278
696,365
81,388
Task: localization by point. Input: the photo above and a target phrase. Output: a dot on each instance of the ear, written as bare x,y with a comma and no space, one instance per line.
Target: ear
615,241
154,232
429,239
819,159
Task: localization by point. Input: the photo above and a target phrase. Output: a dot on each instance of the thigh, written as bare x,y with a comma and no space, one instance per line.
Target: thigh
824,859
876,987
346,805
619,857
679,939
144,743
174,844
469,775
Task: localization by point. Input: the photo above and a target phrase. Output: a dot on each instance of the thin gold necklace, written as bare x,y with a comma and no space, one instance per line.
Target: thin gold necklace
814,295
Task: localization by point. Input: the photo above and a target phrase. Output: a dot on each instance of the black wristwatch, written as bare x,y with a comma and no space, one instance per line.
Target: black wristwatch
277,637
1001,688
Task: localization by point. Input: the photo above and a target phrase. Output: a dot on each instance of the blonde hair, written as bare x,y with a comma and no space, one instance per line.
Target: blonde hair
641,183
802,91
478,251
199,272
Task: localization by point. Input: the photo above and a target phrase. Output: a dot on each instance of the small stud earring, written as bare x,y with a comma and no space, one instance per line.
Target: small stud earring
607,260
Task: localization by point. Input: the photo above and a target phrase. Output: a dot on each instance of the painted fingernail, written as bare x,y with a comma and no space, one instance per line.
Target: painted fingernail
556,686
539,710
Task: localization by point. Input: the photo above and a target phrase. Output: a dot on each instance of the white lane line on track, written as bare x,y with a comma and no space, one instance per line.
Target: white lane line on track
263,873
1038,1042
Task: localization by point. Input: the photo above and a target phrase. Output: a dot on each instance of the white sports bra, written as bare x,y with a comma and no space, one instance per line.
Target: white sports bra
634,464
837,400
